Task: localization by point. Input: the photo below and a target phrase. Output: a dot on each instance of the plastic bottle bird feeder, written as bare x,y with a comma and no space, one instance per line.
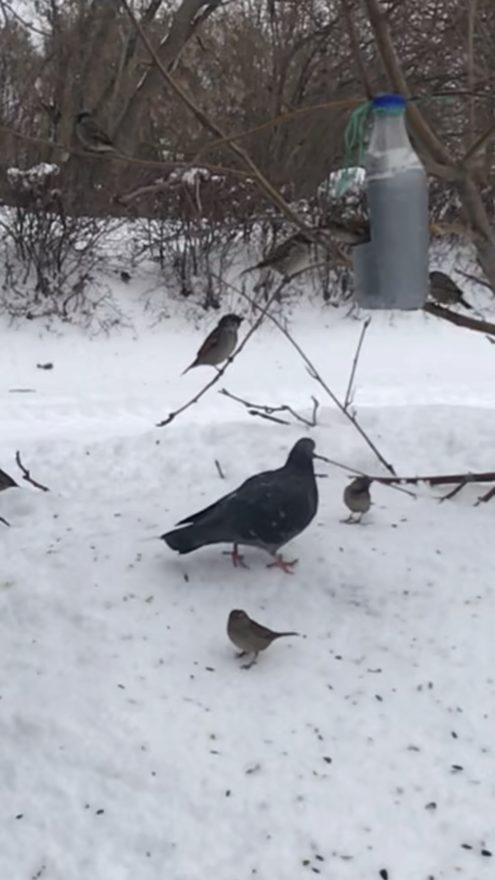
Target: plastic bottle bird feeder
391,270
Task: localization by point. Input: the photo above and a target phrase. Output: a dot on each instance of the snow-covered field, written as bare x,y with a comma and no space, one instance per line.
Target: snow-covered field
134,747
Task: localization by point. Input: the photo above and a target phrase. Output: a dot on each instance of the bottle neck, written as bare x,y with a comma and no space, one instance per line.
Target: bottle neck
388,133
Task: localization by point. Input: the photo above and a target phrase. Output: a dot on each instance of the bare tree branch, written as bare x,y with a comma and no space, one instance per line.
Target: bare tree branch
486,497
184,24
26,475
219,469
259,409
262,182
348,394
458,319
313,372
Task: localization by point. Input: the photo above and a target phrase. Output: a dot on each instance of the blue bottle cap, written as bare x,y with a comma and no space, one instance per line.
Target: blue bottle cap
389,102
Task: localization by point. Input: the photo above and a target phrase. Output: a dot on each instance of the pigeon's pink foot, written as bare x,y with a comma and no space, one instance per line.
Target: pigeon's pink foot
237,558
284,564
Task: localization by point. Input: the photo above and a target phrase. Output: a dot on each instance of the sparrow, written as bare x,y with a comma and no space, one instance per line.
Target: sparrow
91,135
266,511
299,251
251,637
290,256
219,345
445,291
357,498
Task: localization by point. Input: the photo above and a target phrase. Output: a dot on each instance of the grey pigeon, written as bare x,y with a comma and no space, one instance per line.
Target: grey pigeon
445,291
251,637
6,482
91,135
266,511
357,498
219,345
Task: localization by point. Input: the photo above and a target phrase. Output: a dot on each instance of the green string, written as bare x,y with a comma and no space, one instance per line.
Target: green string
354,134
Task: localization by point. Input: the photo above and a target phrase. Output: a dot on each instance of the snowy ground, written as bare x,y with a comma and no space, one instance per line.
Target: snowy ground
133,745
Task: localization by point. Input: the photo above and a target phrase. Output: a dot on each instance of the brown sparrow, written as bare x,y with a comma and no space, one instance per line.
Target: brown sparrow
445,291
219,345
250,637
357,498
91,135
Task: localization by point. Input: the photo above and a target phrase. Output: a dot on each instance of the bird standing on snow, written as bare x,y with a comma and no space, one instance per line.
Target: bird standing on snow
91,135
445,291
251,637
357,498
266,511
219,345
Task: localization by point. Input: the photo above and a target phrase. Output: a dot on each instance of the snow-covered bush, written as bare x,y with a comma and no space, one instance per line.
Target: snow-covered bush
50,257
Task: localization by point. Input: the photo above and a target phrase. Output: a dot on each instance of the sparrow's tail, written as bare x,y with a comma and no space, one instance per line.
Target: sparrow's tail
281,635
188,539
465,303
194,364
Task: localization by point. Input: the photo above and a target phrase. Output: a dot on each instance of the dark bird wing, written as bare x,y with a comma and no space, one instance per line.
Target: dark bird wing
267,510
6,482
96,133
211,341
202,514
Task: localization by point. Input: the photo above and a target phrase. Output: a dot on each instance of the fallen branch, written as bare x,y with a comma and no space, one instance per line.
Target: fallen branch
348,394
26,475
442,479
486,497
218,375
455,491
219,469
347,467
259,409
458,319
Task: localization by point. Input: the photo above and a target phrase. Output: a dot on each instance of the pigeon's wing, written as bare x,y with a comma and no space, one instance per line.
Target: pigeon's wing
223,501
6,481
271,509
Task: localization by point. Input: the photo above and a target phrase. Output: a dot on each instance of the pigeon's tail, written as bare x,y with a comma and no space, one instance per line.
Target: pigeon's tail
187,539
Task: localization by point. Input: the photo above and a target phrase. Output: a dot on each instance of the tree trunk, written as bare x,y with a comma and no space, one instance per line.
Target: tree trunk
183,25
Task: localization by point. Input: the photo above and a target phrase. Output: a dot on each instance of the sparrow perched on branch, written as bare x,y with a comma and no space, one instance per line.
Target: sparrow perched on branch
300,251
91,135
357,498
219,345
445,291
266,511
251,637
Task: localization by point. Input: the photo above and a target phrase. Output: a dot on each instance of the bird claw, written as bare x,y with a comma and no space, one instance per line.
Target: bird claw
248,665
284,564
236,557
